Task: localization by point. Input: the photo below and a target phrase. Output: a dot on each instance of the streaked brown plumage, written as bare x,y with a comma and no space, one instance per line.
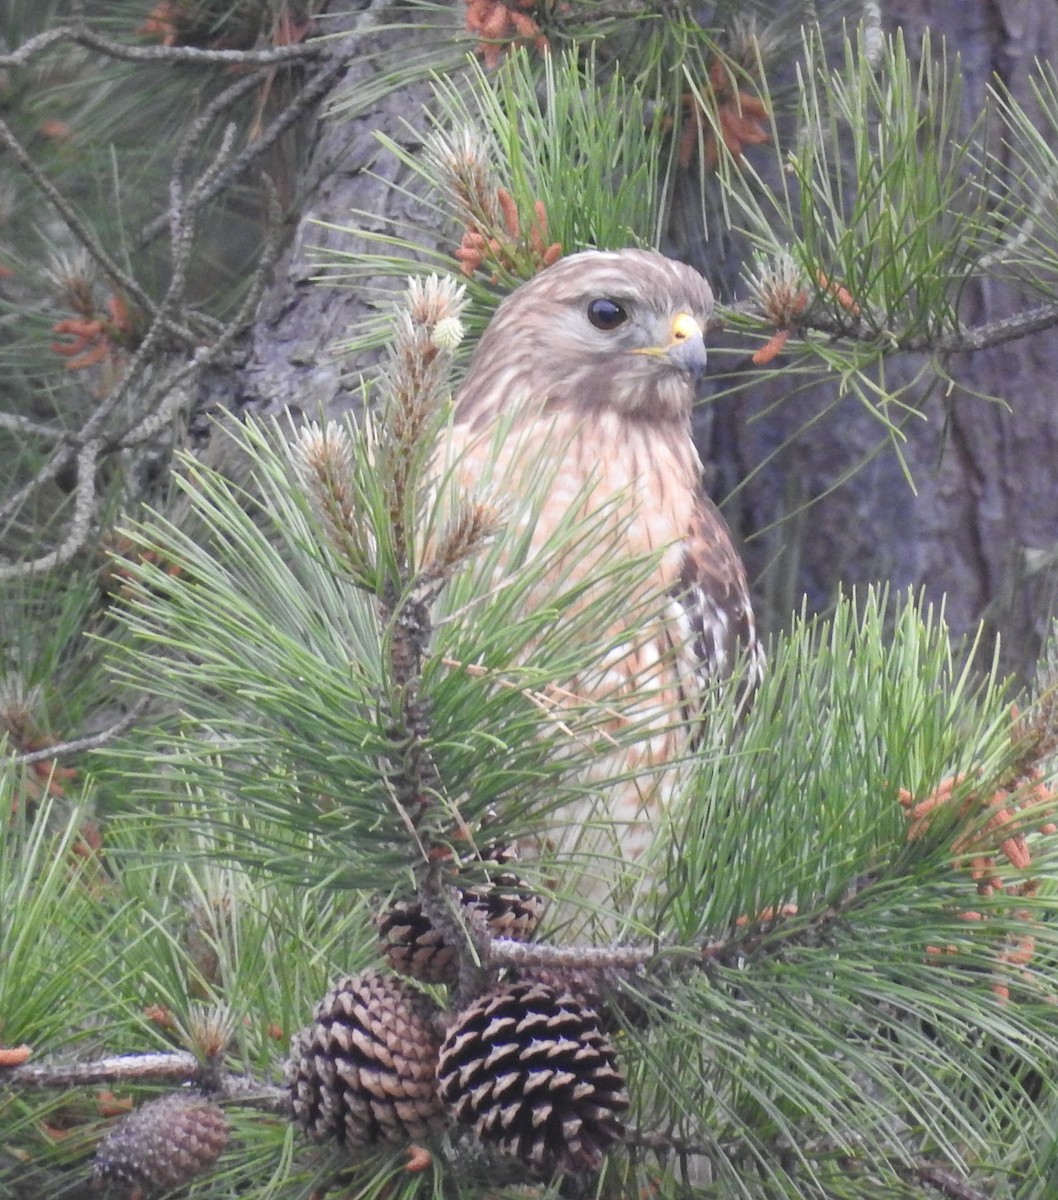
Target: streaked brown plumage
590,369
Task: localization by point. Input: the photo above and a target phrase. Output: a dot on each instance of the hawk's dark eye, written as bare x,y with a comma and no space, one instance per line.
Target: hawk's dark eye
606,314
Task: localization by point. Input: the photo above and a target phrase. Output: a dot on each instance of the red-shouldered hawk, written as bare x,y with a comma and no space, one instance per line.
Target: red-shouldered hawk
589,369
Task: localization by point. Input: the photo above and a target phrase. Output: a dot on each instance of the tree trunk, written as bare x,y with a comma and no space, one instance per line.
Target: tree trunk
981,529
289,359
980,532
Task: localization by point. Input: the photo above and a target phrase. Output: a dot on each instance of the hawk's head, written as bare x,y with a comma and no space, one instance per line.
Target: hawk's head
615,330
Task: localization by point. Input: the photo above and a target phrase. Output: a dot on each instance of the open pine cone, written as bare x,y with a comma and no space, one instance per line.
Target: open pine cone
162,1144
365,1070
530,1069
412,946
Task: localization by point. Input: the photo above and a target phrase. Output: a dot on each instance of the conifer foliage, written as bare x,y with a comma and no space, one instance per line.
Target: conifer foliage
292,930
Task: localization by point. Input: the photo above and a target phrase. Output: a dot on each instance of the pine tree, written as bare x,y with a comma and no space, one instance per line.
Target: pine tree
282,919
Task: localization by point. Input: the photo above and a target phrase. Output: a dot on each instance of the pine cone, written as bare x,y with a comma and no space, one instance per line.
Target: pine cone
510,909
365,1070
412,946
530,1069
163,1144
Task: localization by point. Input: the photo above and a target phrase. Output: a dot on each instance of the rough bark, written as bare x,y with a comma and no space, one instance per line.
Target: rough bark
980,530
290,356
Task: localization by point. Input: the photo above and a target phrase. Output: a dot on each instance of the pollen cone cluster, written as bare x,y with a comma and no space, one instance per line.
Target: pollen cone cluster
162,1145
365,1070
529,1068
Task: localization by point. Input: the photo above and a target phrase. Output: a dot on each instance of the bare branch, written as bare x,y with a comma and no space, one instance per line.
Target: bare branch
36,45
166,397
16,424
80,525
198,129
92,741
82,36
964,340
92,428
220,160
207,188
174,1066
91,431
272,56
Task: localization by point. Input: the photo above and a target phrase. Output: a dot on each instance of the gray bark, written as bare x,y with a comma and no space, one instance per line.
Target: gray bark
290,358
981,532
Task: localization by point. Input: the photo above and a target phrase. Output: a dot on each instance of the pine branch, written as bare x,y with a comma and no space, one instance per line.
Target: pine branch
892,340
91,741
157,406
216,181
86,237
175,1066
339,717
81,35
996,333
757,934
964,340
84,511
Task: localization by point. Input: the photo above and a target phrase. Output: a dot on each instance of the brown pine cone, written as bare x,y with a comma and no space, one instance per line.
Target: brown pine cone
530,1069
412,946
162,1144
365,1070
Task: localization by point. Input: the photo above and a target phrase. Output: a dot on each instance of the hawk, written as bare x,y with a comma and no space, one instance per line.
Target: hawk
589,369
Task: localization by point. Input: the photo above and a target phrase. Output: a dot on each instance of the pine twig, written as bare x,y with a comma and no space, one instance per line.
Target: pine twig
80,35
659,960
964,340
18,424
215,182
194,136
998,333
71,447
173,1066
273,56
504,952
311,94
166,397
80,524
91,741
461,926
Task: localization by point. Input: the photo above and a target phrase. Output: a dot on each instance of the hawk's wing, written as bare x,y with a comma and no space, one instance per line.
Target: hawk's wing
713,602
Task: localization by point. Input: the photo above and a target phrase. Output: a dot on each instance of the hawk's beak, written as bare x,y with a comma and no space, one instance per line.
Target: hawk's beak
685,348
